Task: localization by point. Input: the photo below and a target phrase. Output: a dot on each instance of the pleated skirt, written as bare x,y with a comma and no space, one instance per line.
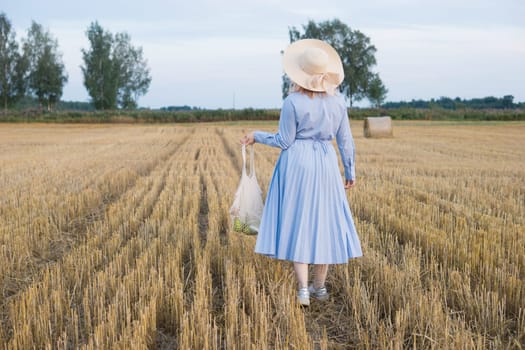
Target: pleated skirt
306,216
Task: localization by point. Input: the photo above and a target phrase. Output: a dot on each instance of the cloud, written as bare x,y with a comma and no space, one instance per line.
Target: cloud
433,61
204,51
220,65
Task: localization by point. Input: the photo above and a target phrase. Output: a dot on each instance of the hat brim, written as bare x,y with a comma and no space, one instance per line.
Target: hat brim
300,77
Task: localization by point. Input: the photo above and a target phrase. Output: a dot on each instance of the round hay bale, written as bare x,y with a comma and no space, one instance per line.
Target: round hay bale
376,127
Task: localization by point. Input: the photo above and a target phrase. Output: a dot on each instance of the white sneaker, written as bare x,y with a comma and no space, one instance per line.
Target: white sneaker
319,293
303,296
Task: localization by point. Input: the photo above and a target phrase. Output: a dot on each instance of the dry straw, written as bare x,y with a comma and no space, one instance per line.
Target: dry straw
118,238
376,127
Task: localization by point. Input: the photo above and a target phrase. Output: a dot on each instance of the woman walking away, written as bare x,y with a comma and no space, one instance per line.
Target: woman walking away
306,217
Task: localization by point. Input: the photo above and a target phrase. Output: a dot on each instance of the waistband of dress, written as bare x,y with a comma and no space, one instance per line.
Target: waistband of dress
314,140
317,143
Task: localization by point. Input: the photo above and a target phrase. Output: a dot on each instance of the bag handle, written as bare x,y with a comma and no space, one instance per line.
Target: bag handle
252,160
243,159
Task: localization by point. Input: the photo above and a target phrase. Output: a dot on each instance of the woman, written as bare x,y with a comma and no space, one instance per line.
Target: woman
306,217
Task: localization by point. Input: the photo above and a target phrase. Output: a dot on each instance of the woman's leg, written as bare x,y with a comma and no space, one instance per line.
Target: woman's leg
320,272
301,274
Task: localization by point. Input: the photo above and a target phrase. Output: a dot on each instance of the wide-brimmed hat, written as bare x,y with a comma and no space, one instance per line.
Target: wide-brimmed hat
314,65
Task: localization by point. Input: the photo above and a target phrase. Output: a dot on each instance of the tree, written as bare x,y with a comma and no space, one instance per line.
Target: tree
285,87
99,73
115,72
13,66
376,91
46,71
134,75
354,48
507,101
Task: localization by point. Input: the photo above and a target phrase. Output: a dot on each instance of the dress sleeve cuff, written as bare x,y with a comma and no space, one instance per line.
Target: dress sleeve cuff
259,136
350,173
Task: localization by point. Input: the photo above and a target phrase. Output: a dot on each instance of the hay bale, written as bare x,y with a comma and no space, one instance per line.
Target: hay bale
378,127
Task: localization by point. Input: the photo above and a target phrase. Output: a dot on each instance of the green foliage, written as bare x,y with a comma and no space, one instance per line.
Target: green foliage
285,87
248,114
490,102
46,71
133,72
439,114
31,103
12,65
115,72
354,48
376,92
100,75
75,105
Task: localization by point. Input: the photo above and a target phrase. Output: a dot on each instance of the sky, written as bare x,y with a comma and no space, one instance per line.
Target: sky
226,54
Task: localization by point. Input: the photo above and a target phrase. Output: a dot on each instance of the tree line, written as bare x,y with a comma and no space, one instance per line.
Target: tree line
115,72
489,102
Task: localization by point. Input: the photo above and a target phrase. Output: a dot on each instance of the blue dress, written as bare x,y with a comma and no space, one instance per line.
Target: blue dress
306,216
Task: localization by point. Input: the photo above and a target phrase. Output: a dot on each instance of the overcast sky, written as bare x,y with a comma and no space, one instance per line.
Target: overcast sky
213,54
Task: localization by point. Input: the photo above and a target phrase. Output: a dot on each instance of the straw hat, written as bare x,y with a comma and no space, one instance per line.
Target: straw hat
314,65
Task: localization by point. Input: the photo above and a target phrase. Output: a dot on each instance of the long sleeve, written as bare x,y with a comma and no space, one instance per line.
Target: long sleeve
287,129
345,142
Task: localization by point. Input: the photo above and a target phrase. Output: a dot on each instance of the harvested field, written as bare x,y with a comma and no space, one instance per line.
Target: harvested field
117,236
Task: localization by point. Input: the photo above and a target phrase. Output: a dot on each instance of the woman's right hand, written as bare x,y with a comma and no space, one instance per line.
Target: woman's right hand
349,184
248,139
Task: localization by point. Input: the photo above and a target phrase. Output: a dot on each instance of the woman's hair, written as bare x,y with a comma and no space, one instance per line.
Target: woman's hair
296,88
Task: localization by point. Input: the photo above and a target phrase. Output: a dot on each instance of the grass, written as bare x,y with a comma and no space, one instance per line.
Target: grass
248,114
118,236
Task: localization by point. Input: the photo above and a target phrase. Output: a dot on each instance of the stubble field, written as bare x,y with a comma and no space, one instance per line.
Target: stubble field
117,236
